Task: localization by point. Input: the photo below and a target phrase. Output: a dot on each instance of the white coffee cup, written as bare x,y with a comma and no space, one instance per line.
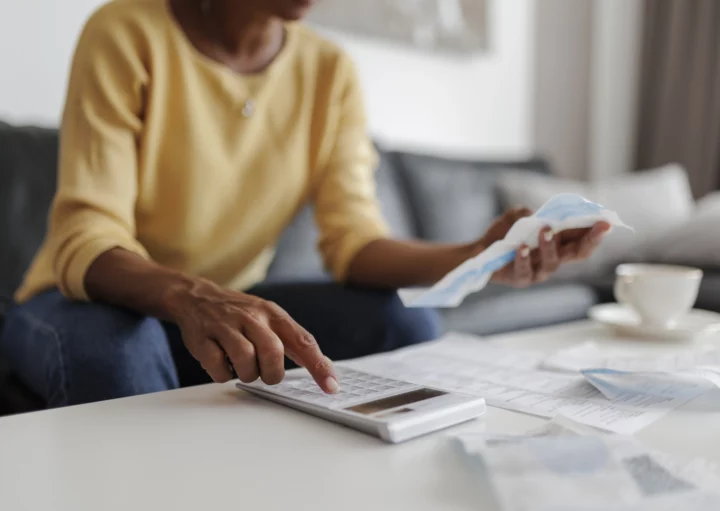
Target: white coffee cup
660,294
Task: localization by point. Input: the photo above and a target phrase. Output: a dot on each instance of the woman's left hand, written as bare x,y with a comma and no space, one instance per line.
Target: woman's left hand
554,249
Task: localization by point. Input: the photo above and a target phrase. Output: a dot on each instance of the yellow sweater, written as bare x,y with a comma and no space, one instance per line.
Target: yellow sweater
157,156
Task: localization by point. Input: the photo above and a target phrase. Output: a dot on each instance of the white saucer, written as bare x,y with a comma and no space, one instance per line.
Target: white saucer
625,322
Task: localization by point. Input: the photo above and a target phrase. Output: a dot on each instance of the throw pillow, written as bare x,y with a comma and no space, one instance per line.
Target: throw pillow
651,201
695,242
453,201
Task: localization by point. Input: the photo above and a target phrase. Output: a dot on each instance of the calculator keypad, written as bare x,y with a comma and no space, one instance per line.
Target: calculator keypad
355,387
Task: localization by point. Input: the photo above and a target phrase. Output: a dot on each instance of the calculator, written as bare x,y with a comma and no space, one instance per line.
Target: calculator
390,409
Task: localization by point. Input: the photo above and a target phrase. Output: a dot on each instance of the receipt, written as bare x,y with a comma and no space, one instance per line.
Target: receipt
682,376
590,356
510,380
568,470
472,443
566,211
681,386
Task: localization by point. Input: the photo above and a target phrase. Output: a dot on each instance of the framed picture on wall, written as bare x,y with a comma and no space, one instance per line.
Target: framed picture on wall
456,26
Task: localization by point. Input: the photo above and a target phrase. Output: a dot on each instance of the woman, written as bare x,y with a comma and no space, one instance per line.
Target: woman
193,132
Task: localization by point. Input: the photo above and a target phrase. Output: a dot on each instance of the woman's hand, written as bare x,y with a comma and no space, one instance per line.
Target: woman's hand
531,267
222,328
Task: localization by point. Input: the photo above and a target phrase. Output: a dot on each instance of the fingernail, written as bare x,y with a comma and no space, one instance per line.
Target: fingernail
524,252
332,385
548,236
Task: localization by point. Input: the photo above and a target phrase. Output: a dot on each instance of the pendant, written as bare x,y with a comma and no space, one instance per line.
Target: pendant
249,108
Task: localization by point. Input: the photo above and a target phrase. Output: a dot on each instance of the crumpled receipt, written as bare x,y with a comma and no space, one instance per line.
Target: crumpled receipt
565,466
562,212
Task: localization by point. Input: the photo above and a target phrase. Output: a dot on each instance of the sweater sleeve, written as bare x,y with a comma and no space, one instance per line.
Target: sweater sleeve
94,207
346,207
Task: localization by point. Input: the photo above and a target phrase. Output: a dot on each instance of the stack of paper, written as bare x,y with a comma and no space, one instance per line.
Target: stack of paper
568,468
590,356
510,379
685,375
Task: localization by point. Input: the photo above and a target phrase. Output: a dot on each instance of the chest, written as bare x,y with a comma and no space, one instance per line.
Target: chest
210,141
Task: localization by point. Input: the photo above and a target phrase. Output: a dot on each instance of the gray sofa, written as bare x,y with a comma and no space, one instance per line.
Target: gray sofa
446,201
424,197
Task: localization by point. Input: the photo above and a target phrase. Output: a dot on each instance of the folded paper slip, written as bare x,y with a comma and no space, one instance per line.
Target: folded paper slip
562,212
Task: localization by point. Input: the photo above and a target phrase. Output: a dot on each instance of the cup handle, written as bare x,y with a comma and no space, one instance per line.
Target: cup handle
621,290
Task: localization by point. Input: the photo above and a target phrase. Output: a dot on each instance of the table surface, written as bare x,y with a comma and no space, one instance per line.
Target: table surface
214,447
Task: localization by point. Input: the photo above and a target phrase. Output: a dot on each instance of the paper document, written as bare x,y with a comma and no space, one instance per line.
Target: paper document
563,469
508,379
591,356
562,212
615,384
682,376
468,347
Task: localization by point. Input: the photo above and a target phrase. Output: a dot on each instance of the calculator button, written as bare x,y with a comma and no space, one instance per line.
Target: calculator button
356,387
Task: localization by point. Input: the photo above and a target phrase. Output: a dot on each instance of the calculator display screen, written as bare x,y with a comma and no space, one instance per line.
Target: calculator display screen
387,403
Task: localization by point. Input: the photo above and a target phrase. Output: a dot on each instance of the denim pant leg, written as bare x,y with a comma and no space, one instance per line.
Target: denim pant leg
350,322
72,352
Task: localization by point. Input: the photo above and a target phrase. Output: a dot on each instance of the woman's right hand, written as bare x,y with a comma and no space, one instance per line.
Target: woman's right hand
222,327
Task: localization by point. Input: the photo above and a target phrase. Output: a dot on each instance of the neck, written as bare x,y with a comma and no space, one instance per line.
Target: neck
241,28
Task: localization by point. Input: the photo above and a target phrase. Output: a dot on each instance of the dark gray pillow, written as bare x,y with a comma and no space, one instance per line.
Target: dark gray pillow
28,174
297,257
453,201
393,198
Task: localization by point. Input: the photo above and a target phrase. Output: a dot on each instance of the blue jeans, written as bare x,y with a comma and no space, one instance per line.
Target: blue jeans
73,352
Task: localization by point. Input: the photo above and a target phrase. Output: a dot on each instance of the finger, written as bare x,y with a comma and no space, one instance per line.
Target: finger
568,252
504,275
589,242
212,358
508,219
582,248
294,357
549,259
602,228
269,349
570,235
275,319
522,267
515,214
306,352
241,353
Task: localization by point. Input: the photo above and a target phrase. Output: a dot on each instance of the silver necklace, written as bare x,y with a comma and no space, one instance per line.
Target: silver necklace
205,6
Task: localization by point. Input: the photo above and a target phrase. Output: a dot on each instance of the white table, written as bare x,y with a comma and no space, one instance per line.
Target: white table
215,448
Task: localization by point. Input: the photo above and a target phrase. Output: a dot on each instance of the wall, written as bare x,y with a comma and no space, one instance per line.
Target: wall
469,106
561,106
585,94
37,38
479,105
557,80
615,80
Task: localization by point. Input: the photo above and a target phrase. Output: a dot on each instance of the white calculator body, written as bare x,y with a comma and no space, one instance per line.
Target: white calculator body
391,409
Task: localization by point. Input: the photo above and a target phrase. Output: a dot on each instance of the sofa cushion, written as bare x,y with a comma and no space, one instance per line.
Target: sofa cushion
297,257
28,163
498,309
454,200
394,199
692,242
